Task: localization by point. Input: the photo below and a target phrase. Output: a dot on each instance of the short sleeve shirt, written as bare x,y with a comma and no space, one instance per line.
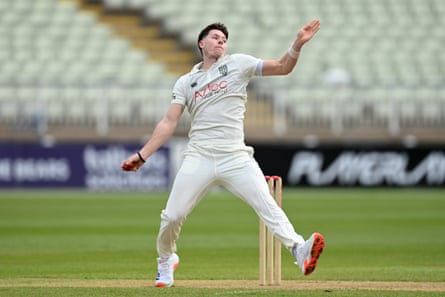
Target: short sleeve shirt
216,98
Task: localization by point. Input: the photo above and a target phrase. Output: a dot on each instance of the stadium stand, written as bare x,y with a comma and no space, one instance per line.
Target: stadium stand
376,65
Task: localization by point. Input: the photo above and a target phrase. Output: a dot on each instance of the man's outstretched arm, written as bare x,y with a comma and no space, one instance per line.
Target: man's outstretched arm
287,63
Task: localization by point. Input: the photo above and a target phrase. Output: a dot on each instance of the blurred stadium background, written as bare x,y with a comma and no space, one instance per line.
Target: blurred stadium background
102,70
82,83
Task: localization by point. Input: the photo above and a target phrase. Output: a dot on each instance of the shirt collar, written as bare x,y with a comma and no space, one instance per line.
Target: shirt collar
196,67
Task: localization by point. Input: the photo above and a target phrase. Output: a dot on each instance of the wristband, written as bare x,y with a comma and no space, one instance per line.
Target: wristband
292,53
140,157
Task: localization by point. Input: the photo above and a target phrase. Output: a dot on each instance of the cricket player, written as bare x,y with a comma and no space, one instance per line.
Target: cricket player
214,93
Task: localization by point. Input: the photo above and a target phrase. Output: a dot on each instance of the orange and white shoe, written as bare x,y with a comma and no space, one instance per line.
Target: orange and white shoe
166,269
307,254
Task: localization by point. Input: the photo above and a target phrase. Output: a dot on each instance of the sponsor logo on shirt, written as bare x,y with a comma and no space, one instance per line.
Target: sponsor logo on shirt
210,90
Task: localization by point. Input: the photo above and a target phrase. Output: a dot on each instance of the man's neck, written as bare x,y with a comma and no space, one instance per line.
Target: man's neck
208,62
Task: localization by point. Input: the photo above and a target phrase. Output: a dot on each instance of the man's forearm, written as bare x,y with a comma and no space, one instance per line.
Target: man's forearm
161,134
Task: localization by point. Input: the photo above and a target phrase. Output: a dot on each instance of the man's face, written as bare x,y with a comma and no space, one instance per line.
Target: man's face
214,44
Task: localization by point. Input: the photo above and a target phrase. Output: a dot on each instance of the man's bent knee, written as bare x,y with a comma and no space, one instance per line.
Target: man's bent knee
170,219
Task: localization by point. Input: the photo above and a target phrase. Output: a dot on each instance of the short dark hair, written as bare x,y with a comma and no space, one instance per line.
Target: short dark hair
215,26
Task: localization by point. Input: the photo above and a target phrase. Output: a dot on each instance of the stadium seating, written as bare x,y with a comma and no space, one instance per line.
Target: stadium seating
56,57
381,44
367,38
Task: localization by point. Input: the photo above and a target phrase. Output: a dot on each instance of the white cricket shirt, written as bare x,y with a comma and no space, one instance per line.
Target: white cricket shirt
216,99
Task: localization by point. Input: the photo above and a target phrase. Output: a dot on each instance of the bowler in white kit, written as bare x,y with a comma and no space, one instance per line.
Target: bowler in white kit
214,93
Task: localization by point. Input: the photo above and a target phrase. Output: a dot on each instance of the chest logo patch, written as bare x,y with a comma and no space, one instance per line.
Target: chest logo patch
223,70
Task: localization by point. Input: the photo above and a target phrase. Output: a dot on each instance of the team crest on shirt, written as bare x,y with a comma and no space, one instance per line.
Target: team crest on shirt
223,69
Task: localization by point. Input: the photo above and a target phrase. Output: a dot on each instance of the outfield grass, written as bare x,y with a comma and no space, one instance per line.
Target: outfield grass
371,235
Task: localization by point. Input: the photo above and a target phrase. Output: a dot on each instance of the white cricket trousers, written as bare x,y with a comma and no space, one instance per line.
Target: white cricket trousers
238,172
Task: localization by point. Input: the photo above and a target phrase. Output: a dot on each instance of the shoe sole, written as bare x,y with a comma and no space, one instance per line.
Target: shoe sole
165,285
316,250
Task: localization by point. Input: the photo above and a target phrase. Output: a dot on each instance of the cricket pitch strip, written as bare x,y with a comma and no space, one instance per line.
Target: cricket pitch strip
232,284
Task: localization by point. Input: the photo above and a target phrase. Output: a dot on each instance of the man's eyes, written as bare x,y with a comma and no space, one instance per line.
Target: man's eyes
217,38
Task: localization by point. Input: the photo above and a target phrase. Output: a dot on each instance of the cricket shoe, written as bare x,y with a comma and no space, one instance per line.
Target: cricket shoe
166,269
308,252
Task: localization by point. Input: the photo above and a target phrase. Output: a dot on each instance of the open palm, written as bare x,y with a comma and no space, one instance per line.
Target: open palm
308,31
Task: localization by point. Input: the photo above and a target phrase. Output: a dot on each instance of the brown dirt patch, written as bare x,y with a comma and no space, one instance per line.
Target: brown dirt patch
233,284
321,285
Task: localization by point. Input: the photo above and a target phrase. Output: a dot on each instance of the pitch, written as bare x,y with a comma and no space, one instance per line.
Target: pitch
373,236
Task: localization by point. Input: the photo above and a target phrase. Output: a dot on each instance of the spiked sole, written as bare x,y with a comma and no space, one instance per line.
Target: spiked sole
316,250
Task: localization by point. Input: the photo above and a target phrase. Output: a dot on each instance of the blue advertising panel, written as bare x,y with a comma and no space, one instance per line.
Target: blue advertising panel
90,166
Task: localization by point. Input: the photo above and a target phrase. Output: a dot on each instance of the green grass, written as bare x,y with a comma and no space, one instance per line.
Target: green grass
371,234
130,292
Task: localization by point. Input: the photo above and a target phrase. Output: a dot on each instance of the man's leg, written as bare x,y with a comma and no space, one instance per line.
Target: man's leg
244,178
192,181
248,182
